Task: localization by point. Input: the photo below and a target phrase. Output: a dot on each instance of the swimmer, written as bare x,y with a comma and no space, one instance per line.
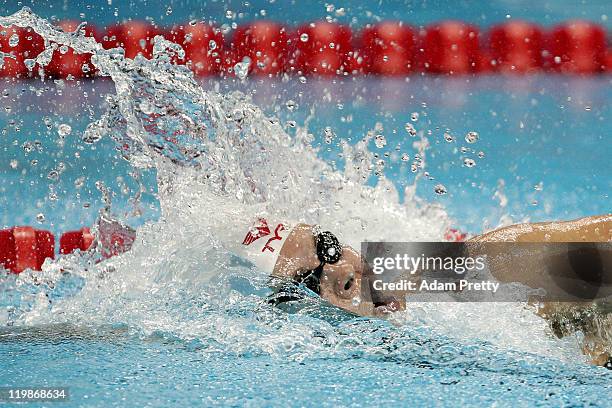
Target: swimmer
304,254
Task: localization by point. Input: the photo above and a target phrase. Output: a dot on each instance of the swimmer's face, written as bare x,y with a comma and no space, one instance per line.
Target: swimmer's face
341,285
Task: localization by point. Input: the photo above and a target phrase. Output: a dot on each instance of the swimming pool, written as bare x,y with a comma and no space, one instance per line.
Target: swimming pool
180,321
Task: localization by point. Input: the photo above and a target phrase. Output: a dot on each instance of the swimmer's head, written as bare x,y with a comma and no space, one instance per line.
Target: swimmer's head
339,279
345,285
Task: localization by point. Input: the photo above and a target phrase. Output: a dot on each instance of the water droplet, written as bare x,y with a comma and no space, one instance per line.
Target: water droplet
85,68
79,182
471,137
91,136
303,79
481,155
440,189
13,40
448,137
14,163
410,129
380,141
40,217
469,162
169,10
328,134
212,44
414,116
539,186
64,129
291,105
405,157
53,175
356,301
304,37
242,68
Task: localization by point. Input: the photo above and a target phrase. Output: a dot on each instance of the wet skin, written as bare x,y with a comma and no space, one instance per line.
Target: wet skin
341,283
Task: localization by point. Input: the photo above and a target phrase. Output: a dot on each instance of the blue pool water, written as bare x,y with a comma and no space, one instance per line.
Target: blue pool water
178,321
561,144
543,137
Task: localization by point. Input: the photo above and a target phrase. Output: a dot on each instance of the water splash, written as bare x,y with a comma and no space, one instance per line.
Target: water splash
219,157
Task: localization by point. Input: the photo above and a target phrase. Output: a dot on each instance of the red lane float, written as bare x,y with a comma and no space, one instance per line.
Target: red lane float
578,47
516,47
609,61
135,37
65,62
265,43
24,248
451,47
388,48
324,49
114,238
72,240
203,45
21,44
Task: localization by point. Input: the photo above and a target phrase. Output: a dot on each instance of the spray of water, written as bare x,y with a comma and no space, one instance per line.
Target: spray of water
221,162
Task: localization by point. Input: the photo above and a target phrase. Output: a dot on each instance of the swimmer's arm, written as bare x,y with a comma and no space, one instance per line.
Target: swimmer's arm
298,253
521,269
588,229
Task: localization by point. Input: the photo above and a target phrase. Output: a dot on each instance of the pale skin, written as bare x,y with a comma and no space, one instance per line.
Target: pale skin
341,282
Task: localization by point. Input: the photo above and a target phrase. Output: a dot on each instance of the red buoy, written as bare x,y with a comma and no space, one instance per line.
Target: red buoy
265,43
323,48
388,48
21,44
516,47
72,240
451,47
135,37
65,62
203,45
577,47
24,248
